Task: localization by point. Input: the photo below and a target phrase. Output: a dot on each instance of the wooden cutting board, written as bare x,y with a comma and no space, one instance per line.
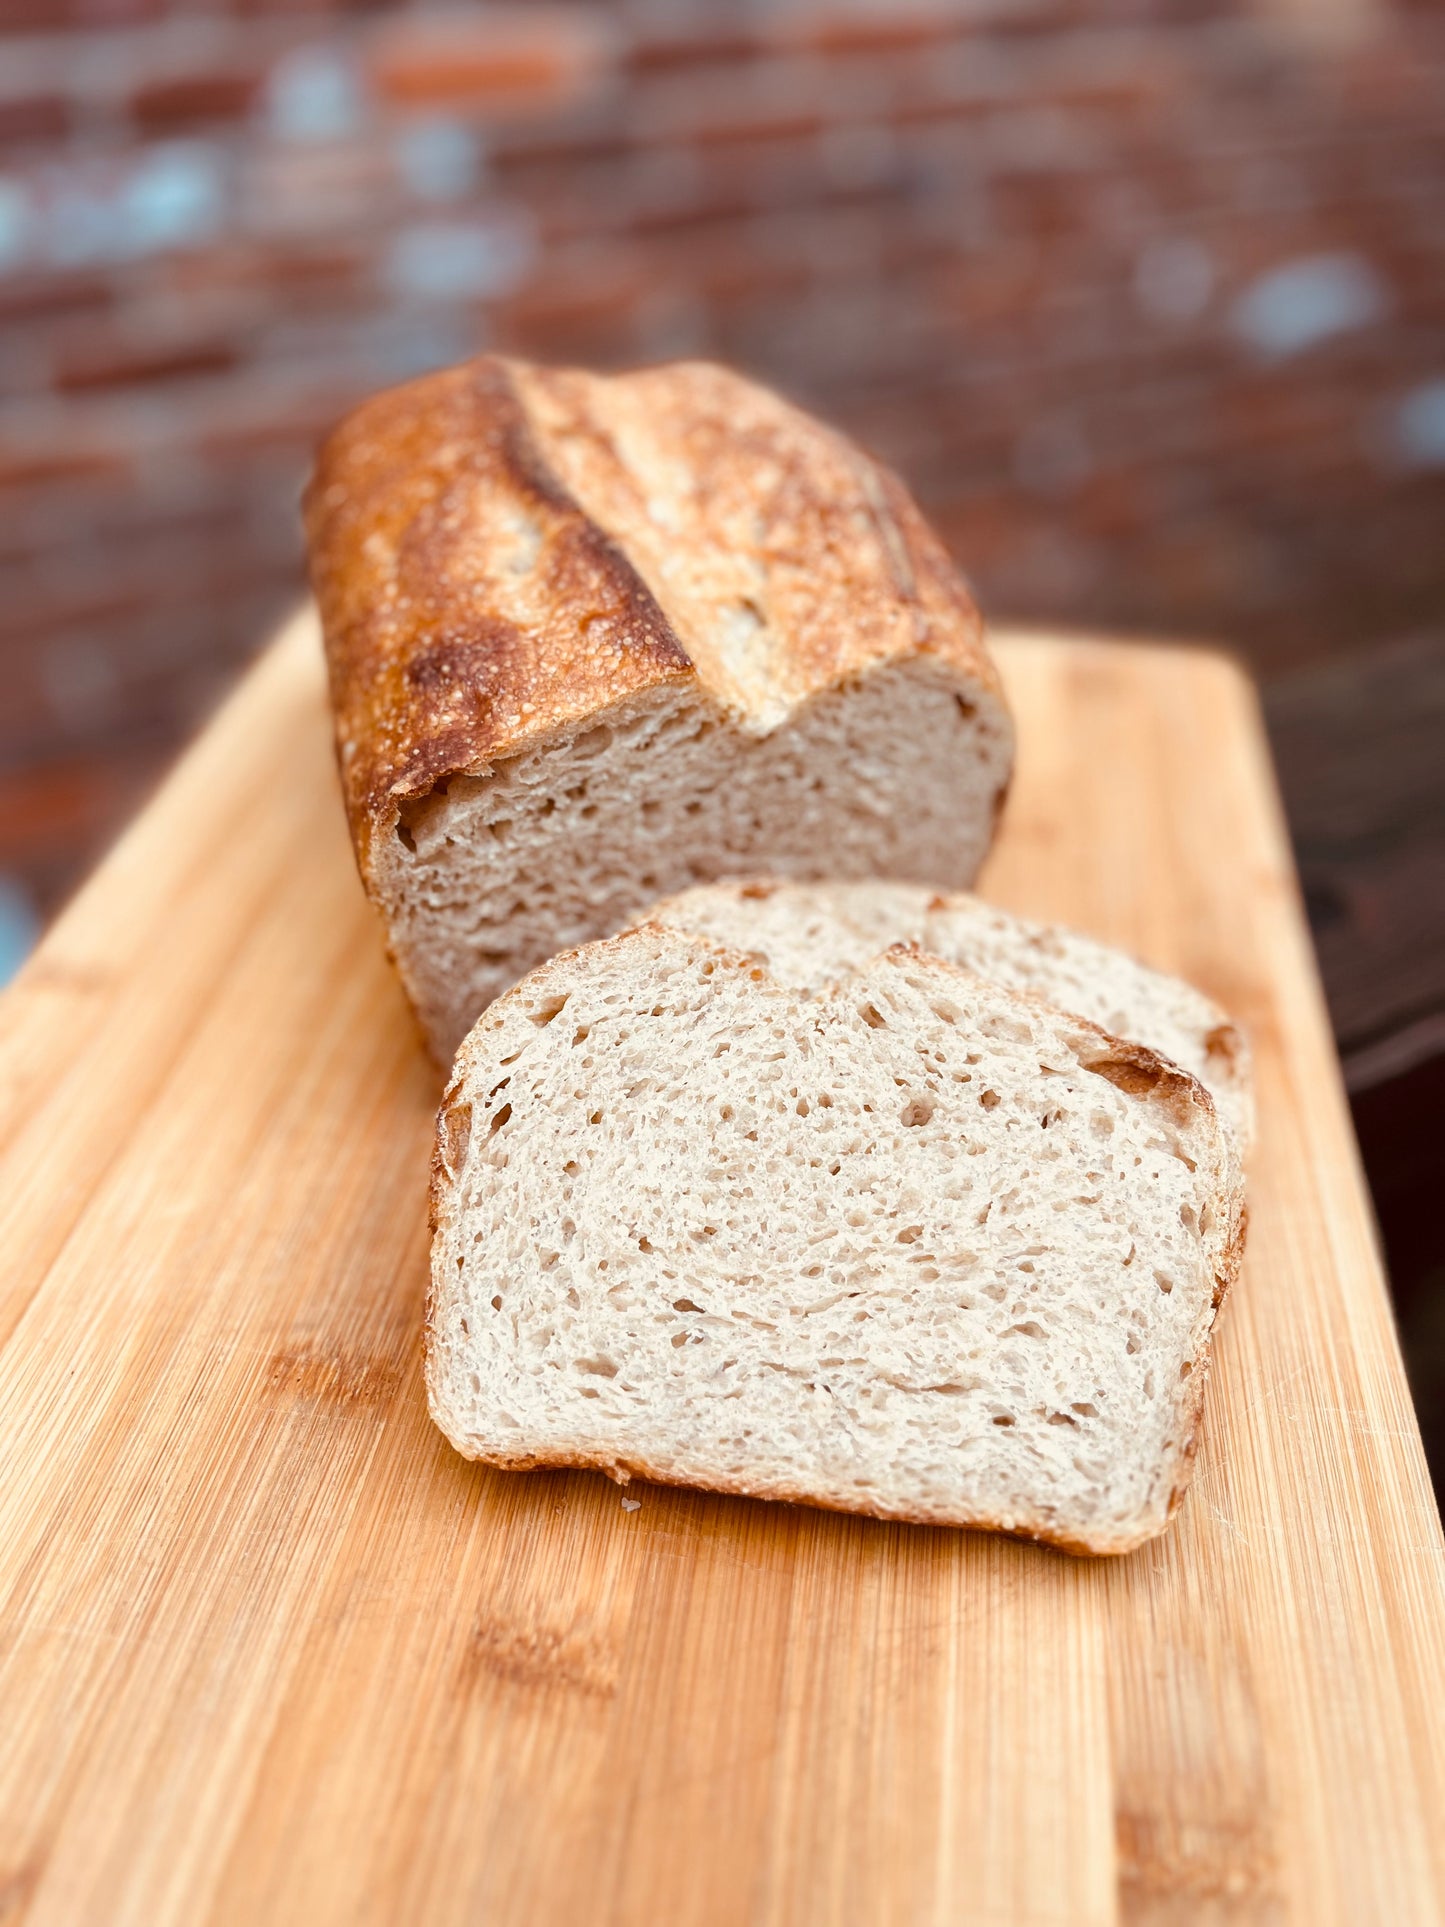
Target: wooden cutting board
270,1652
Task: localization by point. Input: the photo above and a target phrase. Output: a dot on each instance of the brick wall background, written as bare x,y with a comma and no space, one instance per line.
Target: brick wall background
1144,297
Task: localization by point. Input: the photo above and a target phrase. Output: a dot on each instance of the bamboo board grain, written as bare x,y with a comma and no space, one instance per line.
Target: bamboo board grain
270,1652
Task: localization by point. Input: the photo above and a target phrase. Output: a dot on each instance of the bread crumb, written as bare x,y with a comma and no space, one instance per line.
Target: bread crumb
632,1505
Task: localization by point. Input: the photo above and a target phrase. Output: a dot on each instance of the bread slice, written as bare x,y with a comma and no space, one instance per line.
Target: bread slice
917,1246
594,639
813,935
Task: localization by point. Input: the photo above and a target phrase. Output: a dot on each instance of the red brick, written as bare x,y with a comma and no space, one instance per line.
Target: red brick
578,294
116,363
656,50
58,816
173,105
32,467
244,279
54,16
775,123
25,122
499,60
46,295
781,97
884,28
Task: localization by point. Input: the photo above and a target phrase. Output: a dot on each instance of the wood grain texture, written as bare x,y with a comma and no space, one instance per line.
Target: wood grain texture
270,1651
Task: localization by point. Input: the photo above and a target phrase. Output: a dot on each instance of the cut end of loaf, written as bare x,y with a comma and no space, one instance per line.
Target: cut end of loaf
513,562
909,1249
492,873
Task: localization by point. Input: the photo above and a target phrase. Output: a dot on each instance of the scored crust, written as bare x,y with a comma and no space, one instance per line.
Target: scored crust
496,557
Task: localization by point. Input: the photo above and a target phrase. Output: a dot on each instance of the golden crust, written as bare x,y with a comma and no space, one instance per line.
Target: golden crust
443,653
500,552
622,1471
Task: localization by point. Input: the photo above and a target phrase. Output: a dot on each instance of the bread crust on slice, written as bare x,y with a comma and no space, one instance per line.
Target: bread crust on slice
561,609
918,1247
813,935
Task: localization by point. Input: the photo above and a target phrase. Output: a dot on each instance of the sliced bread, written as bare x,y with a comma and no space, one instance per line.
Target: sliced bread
814,935
915,1246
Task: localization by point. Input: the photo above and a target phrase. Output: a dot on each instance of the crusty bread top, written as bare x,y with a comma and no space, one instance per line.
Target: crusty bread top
501,551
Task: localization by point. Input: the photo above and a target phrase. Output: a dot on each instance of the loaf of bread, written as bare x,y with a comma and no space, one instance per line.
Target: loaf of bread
914,1246
593,640
814,935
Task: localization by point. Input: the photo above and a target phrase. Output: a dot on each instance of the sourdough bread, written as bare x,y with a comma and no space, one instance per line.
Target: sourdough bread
813,935
915,1246
591,640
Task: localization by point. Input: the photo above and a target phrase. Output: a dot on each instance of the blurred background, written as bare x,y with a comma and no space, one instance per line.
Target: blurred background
1146,299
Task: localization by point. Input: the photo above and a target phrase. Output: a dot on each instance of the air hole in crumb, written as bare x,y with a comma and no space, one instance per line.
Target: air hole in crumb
910,1234
581,1034
966,709
595,1117
872,1017
917,1111
499,1120
497,1302
1164,1282
546,1011
1002,1418
1085,1410
679,1340
990,1100
599,1367
685,1304
405,838
644,1244
1186,1368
